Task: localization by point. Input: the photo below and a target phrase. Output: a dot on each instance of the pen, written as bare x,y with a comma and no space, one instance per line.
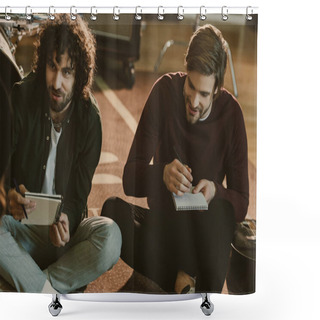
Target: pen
18,190
177,154
178,157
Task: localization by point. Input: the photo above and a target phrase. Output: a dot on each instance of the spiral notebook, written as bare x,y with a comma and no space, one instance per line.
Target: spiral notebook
190,201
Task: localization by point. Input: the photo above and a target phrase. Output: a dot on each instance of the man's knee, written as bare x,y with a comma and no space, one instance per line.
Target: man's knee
105,229
107,238
113,244
110,207
119,211
6,221
9,224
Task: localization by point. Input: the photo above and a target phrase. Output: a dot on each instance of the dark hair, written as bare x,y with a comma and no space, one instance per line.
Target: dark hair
207,54
63,34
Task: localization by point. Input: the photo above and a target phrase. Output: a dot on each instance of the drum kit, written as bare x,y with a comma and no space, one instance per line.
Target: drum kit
11,32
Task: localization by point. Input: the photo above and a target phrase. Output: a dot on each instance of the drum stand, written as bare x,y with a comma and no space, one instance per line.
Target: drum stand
55,306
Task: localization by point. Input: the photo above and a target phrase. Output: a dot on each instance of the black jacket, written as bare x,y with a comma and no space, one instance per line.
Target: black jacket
78,149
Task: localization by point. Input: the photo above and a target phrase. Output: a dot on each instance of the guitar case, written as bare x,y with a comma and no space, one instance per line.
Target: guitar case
242,266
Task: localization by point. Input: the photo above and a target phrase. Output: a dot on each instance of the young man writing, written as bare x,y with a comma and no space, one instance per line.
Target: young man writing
192,115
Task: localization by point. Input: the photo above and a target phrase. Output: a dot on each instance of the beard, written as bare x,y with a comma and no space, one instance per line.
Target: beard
58,100
192,114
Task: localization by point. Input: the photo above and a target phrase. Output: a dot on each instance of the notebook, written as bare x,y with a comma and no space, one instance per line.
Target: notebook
190,201
47,211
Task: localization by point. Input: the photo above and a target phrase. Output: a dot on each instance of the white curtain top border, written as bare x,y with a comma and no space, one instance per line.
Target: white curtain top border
180,10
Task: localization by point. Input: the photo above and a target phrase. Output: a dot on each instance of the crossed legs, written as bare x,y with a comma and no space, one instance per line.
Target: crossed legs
26,252
162,243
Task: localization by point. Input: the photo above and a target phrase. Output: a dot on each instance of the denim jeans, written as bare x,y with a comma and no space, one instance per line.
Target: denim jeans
26,251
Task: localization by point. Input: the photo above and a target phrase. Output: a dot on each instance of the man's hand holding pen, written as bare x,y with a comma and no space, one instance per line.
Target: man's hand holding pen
178,179
17,201
59,232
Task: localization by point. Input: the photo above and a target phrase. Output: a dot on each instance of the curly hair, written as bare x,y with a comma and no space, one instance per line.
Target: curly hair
207,54
63,34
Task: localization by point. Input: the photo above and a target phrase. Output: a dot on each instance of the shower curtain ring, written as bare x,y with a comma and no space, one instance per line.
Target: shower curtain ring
28,13
138,16
224,13
93,16
249,15
73,13
116,13
160,15
180,13
7,17
52,11
203,12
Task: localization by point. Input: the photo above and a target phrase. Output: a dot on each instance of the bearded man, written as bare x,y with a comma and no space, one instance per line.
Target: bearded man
56,148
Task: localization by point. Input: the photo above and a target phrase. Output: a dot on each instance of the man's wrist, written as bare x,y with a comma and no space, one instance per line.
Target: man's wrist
214,189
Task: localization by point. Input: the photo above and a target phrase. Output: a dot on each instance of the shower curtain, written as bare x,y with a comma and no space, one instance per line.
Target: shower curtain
155,108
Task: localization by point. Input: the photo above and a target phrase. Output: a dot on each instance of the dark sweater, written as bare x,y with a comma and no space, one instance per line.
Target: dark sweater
214,148
78,150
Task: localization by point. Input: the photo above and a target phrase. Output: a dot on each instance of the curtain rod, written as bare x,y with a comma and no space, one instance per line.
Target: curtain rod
180,10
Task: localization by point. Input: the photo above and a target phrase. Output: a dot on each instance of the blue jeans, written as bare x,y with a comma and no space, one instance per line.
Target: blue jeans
26,251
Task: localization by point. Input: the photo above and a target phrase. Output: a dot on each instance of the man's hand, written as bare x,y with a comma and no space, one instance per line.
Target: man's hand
16,200
177,177
59,232
208,189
